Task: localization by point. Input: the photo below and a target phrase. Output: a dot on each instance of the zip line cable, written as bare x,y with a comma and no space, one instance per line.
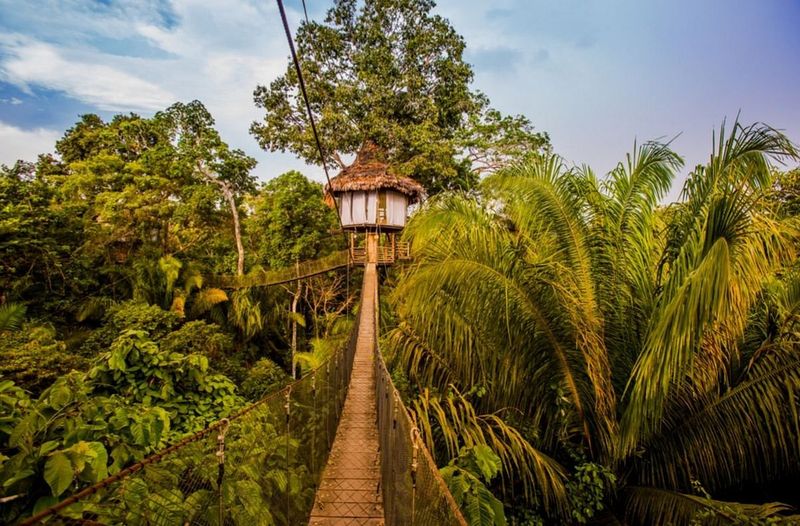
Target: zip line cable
308,108
305,11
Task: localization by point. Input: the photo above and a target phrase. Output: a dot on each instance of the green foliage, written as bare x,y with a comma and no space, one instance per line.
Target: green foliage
11,317
86,460
716,511
786,192
466,476
245,313
262,378
109,246
493,141
646,505
658,342
138,370
13,404
198,337
87,425
587,490
130,315
69,437
38,239
452,423
33,358
290,222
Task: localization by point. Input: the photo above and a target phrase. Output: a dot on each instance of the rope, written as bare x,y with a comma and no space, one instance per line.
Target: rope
268,278
302,82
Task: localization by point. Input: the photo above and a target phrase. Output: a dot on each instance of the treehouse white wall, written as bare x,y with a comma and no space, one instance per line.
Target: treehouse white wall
361,208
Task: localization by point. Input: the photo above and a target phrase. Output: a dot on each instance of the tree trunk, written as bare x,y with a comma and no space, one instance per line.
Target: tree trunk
295,300
237,231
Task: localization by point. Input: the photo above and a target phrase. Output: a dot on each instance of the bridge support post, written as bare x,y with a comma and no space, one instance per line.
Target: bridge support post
221,468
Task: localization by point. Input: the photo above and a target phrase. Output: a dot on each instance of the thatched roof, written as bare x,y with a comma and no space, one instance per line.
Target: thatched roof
370,172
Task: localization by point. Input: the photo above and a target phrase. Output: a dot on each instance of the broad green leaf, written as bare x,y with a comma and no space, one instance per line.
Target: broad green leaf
47,447
487,461
99,462
20,475
58,473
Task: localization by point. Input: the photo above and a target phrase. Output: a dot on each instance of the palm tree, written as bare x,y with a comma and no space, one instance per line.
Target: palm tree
571,321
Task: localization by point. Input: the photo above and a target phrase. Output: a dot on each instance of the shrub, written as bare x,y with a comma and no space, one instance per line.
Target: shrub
130,315
33,358
263,377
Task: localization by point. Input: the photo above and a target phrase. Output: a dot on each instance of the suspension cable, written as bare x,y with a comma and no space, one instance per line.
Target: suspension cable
308,109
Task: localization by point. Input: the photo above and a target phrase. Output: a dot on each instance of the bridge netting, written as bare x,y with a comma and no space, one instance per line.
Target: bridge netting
263,464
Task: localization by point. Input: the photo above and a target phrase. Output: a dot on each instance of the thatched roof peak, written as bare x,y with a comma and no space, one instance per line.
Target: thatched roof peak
371,172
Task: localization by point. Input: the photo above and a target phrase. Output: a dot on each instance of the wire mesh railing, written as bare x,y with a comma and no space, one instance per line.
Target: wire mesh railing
414,492
260,466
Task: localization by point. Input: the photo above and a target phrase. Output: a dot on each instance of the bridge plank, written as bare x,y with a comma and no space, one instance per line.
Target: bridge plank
350,492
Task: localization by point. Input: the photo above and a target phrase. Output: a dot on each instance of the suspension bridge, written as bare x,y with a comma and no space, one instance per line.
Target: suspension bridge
335,447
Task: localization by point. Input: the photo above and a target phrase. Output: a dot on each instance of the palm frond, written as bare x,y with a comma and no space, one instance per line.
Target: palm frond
456,423
94,307
748,432
170,267
647,505
244,313
539,197
729,252
178,305
11,316
192,278
204,299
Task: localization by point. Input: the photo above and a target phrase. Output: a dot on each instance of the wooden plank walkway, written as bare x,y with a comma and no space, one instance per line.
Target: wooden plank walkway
350,492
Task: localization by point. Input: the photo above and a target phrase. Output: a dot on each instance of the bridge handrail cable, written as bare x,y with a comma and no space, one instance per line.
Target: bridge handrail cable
269,278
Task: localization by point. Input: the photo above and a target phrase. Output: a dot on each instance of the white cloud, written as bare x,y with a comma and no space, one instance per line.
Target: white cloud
32,62
221,53
16,143
215,52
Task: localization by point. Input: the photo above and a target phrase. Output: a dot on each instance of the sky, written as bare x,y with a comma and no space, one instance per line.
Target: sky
595,75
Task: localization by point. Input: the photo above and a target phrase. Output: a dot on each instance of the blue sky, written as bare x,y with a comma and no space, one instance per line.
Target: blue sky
594,74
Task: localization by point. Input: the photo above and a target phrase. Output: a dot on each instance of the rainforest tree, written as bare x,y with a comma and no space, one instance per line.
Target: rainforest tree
290,221
392,72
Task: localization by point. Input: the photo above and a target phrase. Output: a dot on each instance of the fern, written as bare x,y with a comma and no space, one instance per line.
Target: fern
11,316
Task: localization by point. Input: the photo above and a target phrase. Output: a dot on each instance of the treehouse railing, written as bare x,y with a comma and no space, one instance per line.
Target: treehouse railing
358,255
403,250
386,254
260,466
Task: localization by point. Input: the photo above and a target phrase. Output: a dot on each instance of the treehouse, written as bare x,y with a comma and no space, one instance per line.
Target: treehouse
373,204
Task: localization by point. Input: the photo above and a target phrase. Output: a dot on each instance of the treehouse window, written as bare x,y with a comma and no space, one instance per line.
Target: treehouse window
382,207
